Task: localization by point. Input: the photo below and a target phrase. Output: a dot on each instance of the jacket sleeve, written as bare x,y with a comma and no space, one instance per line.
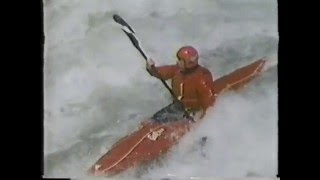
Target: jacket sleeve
165,72
205,92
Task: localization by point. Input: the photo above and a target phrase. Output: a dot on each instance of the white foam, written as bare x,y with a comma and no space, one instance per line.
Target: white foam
97,89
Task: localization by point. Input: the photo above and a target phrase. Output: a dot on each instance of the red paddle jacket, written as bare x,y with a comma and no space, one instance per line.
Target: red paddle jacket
193,88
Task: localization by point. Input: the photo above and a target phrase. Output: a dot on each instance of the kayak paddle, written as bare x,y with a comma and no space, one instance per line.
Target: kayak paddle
126,28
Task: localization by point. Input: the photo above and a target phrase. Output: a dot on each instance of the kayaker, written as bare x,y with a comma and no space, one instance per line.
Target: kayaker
191,83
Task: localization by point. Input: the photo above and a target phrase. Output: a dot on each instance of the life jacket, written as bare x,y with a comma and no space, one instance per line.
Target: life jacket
193,87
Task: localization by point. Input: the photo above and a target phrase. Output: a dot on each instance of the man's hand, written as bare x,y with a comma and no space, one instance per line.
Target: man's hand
203,113
150,64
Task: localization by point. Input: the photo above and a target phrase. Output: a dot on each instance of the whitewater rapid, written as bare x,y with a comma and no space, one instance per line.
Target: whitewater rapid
97,90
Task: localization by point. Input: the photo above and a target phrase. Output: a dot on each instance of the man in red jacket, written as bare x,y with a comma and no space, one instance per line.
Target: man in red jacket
191,83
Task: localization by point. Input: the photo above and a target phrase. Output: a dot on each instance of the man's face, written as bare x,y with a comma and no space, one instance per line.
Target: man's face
180,64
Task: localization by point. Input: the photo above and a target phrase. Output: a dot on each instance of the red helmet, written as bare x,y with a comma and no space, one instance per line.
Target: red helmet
189,55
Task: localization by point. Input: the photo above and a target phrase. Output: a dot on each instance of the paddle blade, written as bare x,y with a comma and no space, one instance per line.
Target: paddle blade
122,22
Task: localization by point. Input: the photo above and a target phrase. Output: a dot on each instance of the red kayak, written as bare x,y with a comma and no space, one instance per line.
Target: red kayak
154,139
